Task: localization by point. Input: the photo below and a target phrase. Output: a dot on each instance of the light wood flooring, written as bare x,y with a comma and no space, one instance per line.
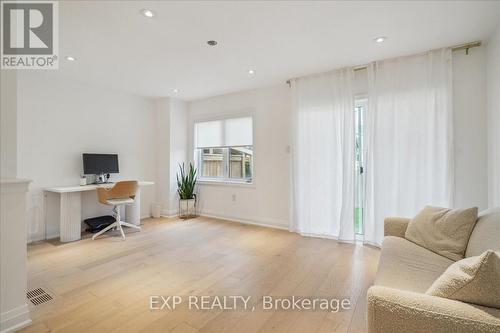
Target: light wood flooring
104,285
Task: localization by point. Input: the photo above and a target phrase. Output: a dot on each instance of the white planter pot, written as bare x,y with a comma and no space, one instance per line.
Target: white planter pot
187,208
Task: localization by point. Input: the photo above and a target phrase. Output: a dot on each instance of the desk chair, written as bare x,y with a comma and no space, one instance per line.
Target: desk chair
123,193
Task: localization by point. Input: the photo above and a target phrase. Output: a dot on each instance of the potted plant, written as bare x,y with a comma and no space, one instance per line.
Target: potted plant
185,187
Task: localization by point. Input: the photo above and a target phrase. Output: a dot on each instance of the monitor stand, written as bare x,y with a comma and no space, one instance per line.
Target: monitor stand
102,179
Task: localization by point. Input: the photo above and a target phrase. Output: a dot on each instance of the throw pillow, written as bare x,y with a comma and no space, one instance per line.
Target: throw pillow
472,280
442,230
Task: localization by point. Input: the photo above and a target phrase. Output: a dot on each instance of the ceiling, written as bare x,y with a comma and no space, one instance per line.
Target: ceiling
117,47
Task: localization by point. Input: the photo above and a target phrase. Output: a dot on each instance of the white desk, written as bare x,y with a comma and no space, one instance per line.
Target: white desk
70,213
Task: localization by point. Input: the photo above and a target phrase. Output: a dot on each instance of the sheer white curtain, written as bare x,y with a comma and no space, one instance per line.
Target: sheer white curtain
323,155
408,138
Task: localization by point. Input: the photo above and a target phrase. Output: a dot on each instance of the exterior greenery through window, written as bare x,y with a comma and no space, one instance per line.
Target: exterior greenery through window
224,149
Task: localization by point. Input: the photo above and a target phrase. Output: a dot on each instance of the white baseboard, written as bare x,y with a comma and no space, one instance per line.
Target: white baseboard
262,222
266,222
15,319
32,239
170,213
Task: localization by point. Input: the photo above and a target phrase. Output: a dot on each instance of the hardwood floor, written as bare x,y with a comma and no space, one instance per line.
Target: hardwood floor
105,285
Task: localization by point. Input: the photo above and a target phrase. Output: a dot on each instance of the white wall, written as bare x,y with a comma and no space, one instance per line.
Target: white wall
171,147
162,106
493,96
267,200
8,123
59,119
178,149
469,102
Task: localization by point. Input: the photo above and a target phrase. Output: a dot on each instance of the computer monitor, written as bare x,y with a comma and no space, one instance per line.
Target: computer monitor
96,164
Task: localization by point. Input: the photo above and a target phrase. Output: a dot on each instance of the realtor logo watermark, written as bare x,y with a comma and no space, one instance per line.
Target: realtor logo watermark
245,303
30,35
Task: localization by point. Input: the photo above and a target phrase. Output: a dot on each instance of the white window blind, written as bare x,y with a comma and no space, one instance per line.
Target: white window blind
224,133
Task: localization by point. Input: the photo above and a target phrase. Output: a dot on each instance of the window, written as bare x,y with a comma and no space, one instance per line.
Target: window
223,149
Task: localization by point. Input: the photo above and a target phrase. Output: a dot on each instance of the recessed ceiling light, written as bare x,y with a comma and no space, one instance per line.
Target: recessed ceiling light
148,13
175,90
251,71
380,39
212,42
70,58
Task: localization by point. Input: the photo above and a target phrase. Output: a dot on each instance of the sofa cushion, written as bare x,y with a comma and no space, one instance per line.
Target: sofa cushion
472,280
443,230
407,266
399,311
486,233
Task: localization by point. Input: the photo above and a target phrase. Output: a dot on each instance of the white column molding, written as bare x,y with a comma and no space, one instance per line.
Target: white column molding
14,311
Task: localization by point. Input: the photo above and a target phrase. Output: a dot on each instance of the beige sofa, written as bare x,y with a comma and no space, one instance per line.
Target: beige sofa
397,302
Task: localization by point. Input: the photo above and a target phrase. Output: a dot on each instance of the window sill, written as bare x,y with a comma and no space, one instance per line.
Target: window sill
225,183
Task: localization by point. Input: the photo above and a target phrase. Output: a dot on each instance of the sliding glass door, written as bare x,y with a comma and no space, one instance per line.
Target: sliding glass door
359,183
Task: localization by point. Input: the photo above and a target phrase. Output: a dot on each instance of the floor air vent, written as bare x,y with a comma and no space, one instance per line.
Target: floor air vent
38,296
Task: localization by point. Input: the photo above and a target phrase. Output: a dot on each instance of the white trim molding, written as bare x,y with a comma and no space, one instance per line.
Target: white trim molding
268,223
15,319
253,220
170,213
14,185
207,182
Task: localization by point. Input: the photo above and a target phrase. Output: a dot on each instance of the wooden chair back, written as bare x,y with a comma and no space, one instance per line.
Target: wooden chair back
121,190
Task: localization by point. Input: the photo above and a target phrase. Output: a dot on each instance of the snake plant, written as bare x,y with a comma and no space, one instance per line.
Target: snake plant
186,182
